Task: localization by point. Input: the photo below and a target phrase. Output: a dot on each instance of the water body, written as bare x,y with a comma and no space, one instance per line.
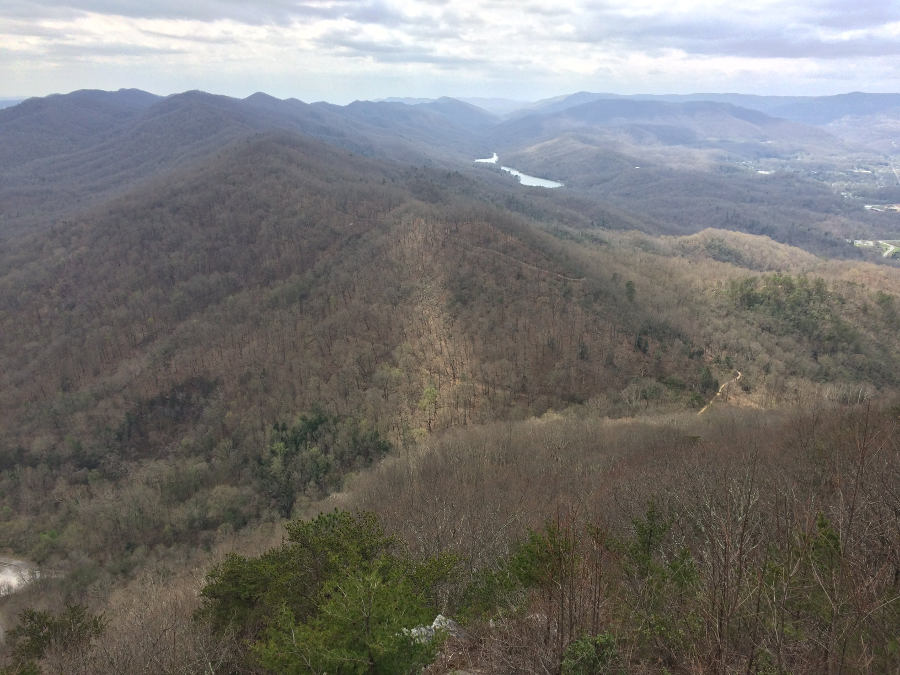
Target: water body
14,575
524,178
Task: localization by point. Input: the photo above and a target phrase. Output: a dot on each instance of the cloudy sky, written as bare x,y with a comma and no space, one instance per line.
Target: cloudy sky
340,50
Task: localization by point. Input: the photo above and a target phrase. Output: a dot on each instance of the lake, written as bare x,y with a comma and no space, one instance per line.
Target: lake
524,178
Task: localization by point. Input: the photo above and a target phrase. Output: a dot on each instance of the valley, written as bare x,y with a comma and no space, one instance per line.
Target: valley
261,358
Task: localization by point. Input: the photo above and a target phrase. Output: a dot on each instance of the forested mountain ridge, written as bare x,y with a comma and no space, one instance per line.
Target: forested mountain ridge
63,153
190,316
282,220
816,110
280,307
712,159
282,278
699,119
41,127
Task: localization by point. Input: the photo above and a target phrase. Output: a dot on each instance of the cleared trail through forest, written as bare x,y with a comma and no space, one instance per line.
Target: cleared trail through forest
719,393
517,261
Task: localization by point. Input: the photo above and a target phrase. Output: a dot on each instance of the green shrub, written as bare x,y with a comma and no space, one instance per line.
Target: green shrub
591,656
339,596
72,630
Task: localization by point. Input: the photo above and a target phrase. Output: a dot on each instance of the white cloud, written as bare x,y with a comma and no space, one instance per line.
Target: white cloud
344,49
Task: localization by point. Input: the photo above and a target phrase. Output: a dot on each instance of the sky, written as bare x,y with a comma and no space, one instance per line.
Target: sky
342,50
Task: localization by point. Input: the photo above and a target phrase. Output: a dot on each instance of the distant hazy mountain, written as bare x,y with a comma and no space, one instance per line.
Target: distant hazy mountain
405,100
9,102
41,127
558,103
655,121
60,153
685,166
825,109
497,106
807,109
462,113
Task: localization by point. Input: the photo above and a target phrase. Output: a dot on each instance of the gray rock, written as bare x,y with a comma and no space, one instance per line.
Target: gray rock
440,623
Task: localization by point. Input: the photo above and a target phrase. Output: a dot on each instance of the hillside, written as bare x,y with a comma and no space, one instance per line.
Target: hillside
63,153
42,127
278,278
687,166
622,160
185,319
220,316
693,123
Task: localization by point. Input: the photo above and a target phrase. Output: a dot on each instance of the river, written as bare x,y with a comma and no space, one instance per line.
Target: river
524,178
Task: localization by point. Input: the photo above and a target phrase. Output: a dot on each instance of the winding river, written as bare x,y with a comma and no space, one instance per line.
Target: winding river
524,178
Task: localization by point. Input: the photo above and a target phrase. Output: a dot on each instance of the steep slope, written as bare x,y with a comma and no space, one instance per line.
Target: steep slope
171,329
170,132
274,222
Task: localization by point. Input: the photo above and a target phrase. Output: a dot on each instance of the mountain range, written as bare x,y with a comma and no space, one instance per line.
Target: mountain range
806,109
217,314
62,153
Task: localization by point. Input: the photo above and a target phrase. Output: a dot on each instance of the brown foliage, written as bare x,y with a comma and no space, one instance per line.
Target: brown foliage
776,548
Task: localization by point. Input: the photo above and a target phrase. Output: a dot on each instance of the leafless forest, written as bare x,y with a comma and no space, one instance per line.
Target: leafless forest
286,371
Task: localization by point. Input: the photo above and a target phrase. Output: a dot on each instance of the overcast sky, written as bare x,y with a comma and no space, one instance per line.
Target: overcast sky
341,50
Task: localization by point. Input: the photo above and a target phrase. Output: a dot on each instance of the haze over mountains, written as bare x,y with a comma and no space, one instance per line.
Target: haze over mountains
61,153
806,109
220,313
